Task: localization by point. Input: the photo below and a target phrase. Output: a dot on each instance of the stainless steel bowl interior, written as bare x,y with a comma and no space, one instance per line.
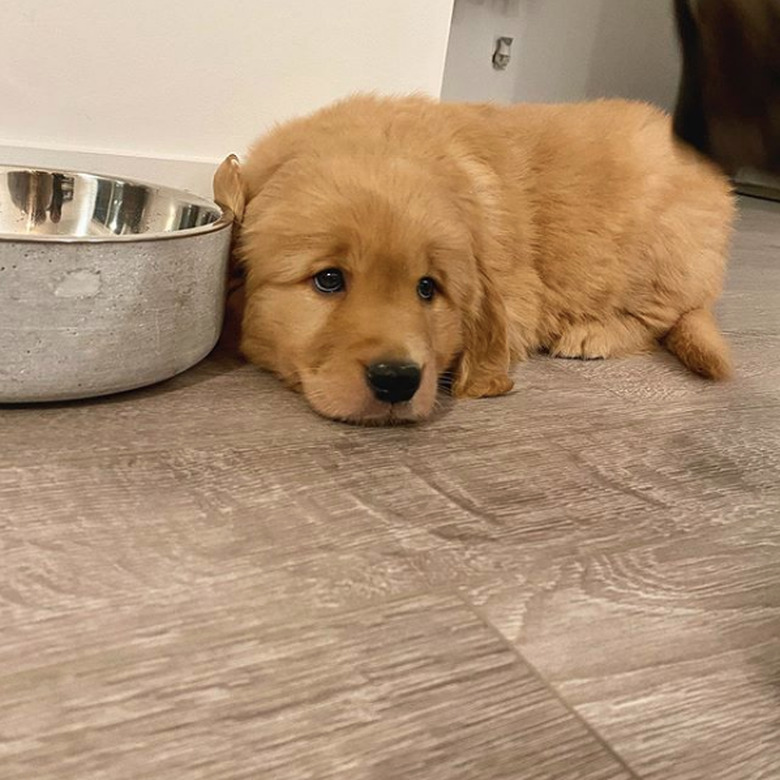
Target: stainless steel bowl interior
48,205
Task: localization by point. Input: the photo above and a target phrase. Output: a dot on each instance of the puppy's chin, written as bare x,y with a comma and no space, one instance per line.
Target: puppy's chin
351,401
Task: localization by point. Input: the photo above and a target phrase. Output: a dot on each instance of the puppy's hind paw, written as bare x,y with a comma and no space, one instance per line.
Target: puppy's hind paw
580,343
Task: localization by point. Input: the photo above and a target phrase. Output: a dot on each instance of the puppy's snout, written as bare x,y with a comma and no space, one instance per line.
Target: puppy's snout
394,383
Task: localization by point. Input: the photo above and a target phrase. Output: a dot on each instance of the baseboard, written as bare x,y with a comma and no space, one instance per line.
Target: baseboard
757,184
192,175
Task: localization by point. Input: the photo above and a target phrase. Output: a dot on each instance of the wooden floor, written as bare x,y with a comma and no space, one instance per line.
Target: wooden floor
581,580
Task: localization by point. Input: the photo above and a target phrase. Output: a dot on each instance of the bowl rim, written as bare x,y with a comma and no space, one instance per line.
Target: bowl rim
223,221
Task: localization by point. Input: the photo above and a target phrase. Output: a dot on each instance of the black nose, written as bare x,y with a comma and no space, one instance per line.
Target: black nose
394,383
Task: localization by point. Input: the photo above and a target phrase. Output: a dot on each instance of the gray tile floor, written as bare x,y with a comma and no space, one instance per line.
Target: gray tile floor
581,580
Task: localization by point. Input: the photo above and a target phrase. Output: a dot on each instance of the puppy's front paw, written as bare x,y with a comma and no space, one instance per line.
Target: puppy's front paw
484,387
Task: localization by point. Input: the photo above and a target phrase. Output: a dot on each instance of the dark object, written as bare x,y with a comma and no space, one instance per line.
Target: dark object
728,104
394,383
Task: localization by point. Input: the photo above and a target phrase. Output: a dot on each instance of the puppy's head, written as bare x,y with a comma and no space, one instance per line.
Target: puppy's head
362,285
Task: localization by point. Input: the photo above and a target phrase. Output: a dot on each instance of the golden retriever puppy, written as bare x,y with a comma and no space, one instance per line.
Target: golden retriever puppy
388,241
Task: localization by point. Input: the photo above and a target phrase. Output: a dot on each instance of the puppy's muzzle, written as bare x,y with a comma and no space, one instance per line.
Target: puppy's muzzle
394,383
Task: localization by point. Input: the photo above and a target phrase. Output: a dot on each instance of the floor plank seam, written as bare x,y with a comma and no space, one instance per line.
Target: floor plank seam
550,688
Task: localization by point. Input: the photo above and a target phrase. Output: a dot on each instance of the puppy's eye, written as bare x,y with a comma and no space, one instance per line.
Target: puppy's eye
331,280
426,288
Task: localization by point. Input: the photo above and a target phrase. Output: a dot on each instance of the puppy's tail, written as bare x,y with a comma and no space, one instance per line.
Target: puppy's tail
697,342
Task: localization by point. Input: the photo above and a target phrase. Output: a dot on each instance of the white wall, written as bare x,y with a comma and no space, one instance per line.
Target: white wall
599,48
476,25
554,59
635,52
565,50
196,80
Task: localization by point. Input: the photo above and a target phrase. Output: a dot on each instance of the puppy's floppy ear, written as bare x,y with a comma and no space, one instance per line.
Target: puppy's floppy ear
229,190
483,368
229,193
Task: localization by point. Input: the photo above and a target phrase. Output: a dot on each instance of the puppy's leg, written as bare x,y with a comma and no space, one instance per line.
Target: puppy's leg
596,339
484,386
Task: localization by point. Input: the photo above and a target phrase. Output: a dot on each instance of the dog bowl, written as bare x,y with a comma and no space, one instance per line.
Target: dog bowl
105,284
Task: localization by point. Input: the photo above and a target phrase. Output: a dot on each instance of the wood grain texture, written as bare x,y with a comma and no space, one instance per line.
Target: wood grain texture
210,686
580,580
667,640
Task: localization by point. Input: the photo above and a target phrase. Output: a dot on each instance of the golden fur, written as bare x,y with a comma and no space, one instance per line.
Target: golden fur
584,230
